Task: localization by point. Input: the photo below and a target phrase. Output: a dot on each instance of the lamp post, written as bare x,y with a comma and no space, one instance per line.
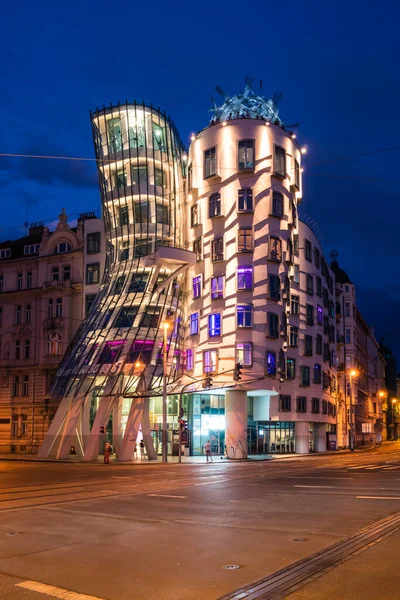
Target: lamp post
353,373
164,435
394,401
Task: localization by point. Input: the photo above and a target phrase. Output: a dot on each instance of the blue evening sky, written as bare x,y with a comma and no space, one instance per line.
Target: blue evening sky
336,63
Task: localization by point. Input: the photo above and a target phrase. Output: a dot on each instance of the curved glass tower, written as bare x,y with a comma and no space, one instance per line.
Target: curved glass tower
115,360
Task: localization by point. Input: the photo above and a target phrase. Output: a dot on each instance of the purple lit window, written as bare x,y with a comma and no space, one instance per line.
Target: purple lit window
197,286
245,278
214,325
217,287
111,352
141,351
210,361
244,354
189,359
271,363
319,315
194,323
244,316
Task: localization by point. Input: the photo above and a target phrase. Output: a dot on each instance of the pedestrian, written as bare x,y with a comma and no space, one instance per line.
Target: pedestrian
141,446
107,452
207,448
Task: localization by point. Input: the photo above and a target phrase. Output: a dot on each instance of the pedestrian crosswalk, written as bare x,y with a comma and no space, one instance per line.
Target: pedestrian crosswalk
369,467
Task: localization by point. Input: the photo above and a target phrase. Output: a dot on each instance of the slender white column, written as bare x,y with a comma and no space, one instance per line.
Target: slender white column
302,436
320,437
236,423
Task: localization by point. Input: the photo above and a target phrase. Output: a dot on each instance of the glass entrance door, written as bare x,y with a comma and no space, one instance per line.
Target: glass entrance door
266,437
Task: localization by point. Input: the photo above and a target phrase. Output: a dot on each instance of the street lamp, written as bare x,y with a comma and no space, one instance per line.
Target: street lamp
164,436
352,373
394,401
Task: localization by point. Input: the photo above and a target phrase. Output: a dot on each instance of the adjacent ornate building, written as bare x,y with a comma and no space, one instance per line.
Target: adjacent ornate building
45,279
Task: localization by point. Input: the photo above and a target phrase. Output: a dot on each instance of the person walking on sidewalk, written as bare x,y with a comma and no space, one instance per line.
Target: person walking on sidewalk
107,453
141,445
207,448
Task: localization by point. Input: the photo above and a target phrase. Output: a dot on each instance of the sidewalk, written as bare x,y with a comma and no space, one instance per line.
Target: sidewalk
190,459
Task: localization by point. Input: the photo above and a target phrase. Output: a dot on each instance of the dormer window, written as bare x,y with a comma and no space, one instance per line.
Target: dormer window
31,249
5,253
62,247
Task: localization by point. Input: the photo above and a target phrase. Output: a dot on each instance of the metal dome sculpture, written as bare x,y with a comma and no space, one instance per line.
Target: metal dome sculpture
247,105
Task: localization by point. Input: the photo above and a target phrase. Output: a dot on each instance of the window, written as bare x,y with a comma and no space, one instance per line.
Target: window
142,212
318,344
19,281
310,285
119,284
245,240
319,287
301,404
93,273
197,249
319,315
28,313
317,373
114,135
217,287
140,249
126,316
271,364
14,425
293,336
246,155
275,249
214,205
194,323
1,316
295,305
15,385
18,312
273,325
55,273
347,309
285,404
120,178
315,405
25,385
17,349
210,162
308,345
217,249
2,283
162,213
290,368
31,249
317,258
5,253
210,361
190,177
27,348
159,177
324,407
66,273
327,353
24,425
296,274
158,137
296,174
139,176
151,318
194,215
245,278
244,354
214,325
62,247
308,250
197,286
244,316
277,204
50,307
309,314
304,376
274,287
245,200
58,307
89,299
54,343
28,280
123,220
347,336
189,359
280,161
296,243
138,283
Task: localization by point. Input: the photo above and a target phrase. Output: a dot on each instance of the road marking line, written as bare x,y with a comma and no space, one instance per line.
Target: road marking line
166,496
379,497
211,482
119,477
318,477
372,468
390,468
360,467
315,486
55,592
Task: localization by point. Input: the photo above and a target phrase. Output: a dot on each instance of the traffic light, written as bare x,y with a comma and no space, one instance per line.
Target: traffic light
237,375
183,424
102,429
207,383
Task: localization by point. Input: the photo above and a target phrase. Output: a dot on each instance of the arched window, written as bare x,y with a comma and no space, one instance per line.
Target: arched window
54,343
62,247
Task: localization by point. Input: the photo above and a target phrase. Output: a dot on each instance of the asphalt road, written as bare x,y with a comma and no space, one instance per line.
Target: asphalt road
166,532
